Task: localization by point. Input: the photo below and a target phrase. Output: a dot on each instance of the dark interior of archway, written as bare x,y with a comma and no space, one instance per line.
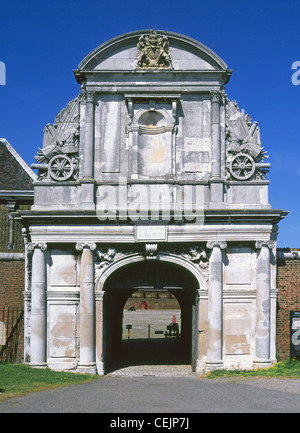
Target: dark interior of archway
163,351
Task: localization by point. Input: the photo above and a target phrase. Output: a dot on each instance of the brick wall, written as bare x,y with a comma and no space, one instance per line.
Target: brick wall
288,284
12,283
11,301
18,244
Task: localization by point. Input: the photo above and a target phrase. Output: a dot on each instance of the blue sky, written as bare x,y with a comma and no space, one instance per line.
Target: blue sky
43,41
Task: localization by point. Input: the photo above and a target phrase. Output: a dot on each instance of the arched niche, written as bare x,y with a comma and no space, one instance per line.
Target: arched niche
151,134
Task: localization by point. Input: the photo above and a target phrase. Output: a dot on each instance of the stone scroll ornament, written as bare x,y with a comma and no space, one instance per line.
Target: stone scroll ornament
244,154
106,256
153,52
196,255
58,160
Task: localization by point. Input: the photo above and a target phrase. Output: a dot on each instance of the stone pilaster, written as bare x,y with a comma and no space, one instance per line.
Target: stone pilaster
88,158
87,363
216,184
38,316
216,98
263,289
215,305
99,295
87,151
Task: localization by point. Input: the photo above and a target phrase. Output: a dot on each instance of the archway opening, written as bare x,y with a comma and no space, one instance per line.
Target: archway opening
138,295
151,328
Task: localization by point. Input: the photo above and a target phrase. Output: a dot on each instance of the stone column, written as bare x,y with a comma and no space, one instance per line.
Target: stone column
27,297
216,185
215,305
263,289
38,318
87,363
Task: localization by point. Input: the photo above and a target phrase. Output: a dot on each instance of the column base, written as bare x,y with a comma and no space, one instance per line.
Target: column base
100,369
214,365
200,368
87,200
262,363
38,364
216,190
87,368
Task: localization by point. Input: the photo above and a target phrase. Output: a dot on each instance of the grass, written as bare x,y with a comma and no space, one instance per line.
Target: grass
19,379
285,369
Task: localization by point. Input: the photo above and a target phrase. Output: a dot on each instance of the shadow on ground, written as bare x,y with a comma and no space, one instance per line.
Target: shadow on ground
151,352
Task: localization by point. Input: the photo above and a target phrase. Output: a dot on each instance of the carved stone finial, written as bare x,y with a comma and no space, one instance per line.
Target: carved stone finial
153,52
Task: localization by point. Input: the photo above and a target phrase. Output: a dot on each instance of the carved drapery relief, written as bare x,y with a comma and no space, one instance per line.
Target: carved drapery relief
244,153
153,52
58,159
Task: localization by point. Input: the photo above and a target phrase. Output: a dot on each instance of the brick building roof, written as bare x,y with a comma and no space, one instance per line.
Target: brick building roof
15,174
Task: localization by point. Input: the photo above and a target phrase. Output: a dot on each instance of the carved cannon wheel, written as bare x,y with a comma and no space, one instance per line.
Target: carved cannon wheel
242,166
60,167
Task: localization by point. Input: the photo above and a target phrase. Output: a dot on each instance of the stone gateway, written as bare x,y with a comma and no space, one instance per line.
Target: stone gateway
151,177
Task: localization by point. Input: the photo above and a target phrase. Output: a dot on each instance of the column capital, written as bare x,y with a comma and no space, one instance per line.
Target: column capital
88,96
268,244
81,245
41,245
217,244
216,96
99,295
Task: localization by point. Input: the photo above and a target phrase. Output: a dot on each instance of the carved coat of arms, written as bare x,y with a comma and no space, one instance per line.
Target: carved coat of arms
153,52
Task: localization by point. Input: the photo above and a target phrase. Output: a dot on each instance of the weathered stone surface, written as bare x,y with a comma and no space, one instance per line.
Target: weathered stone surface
159,180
